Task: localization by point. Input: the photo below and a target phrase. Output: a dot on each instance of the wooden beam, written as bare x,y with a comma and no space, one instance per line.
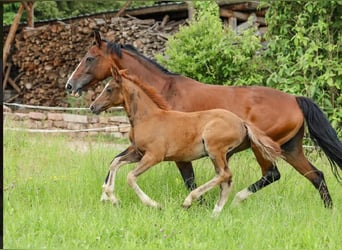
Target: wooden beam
11,34
241,16
191,9
244,6
232,23
122,10
8,71
158,9
230,13
13,84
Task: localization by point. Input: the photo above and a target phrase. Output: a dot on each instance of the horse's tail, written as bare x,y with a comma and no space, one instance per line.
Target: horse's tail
269,148
322,133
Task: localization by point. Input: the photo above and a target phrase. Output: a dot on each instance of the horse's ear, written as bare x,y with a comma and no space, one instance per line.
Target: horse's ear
97,38
116,75
123,72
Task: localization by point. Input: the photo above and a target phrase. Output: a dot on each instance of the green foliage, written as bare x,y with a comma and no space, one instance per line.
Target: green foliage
10,10
45,10
304,55
206,51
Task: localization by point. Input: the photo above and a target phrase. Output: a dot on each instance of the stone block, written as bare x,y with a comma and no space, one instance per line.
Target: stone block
37,116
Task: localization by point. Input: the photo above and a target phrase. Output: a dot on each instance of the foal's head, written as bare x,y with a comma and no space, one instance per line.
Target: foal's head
111,95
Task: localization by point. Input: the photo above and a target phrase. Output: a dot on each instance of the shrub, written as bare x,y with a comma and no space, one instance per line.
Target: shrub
208,52
304,54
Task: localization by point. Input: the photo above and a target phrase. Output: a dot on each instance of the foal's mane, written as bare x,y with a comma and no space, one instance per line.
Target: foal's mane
116,48
149,91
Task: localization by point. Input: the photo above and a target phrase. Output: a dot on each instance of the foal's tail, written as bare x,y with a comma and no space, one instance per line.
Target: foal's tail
269,148
322,133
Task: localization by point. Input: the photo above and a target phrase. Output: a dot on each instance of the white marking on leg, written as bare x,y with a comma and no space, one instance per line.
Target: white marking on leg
131,179
225,191
194,194
108,188
241,196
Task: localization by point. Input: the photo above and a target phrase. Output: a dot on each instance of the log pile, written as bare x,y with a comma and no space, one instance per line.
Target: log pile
48,54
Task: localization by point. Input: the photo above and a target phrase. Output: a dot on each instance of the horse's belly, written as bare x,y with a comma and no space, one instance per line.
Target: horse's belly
186,153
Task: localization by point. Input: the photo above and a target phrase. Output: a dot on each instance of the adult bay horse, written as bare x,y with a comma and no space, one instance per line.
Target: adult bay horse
161,134
281,116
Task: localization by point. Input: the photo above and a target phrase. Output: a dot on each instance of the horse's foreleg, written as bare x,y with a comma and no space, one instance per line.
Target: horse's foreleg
146,162
125,157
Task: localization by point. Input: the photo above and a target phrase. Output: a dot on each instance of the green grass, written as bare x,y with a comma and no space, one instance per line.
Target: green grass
52,200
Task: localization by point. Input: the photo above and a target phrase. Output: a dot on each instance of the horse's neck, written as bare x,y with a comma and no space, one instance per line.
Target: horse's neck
146,71
138,105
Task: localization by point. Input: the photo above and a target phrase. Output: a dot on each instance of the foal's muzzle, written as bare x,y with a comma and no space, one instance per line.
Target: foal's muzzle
94,109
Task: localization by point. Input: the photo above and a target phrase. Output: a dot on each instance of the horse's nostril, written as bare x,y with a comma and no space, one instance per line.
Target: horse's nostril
91,108
68,86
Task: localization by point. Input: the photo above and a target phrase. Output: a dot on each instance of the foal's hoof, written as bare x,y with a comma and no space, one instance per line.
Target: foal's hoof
116,203
186,207
104,197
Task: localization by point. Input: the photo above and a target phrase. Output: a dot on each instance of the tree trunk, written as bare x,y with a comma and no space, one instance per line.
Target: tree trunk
29,6
11,34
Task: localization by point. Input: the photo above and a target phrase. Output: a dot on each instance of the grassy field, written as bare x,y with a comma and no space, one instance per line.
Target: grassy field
52,200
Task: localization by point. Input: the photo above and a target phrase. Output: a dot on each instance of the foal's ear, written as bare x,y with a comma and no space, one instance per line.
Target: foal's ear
116,75
97,38
123,72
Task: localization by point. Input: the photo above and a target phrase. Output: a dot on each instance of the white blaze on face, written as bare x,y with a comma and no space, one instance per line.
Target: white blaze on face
72,75
107,84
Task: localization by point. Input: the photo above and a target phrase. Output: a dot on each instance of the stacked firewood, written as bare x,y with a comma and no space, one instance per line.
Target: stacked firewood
47,55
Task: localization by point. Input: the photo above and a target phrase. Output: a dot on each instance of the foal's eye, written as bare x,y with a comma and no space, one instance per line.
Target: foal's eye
90,59
109,90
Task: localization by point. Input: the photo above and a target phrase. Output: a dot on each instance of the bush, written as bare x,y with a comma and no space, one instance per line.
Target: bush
304,55
206,51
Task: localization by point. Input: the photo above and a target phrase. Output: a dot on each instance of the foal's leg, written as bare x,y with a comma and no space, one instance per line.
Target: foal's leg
125,157
223,177
270,174
147,161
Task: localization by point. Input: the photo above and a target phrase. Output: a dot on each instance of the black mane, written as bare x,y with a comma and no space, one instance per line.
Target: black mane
116,48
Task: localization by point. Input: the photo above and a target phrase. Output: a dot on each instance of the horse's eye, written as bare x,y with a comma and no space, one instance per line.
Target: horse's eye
90,59
109,90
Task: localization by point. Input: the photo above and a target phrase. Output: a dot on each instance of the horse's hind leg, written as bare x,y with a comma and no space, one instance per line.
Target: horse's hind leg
270,174
187,173
125,157
293,152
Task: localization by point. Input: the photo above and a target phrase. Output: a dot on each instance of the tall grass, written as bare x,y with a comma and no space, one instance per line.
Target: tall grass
52,200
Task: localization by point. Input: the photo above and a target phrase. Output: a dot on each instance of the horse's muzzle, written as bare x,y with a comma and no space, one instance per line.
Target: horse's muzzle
75,93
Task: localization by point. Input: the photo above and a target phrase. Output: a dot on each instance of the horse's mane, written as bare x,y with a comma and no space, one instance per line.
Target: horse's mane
116,48
150,91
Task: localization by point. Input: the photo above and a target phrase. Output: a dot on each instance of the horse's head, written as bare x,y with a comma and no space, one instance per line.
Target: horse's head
94,67
111,95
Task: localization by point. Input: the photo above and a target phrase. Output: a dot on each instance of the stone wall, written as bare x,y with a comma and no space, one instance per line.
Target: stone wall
50,121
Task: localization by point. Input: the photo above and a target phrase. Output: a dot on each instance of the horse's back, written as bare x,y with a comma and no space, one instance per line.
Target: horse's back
273,111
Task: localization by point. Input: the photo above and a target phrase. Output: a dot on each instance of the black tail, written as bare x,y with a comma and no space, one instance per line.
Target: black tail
322,133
